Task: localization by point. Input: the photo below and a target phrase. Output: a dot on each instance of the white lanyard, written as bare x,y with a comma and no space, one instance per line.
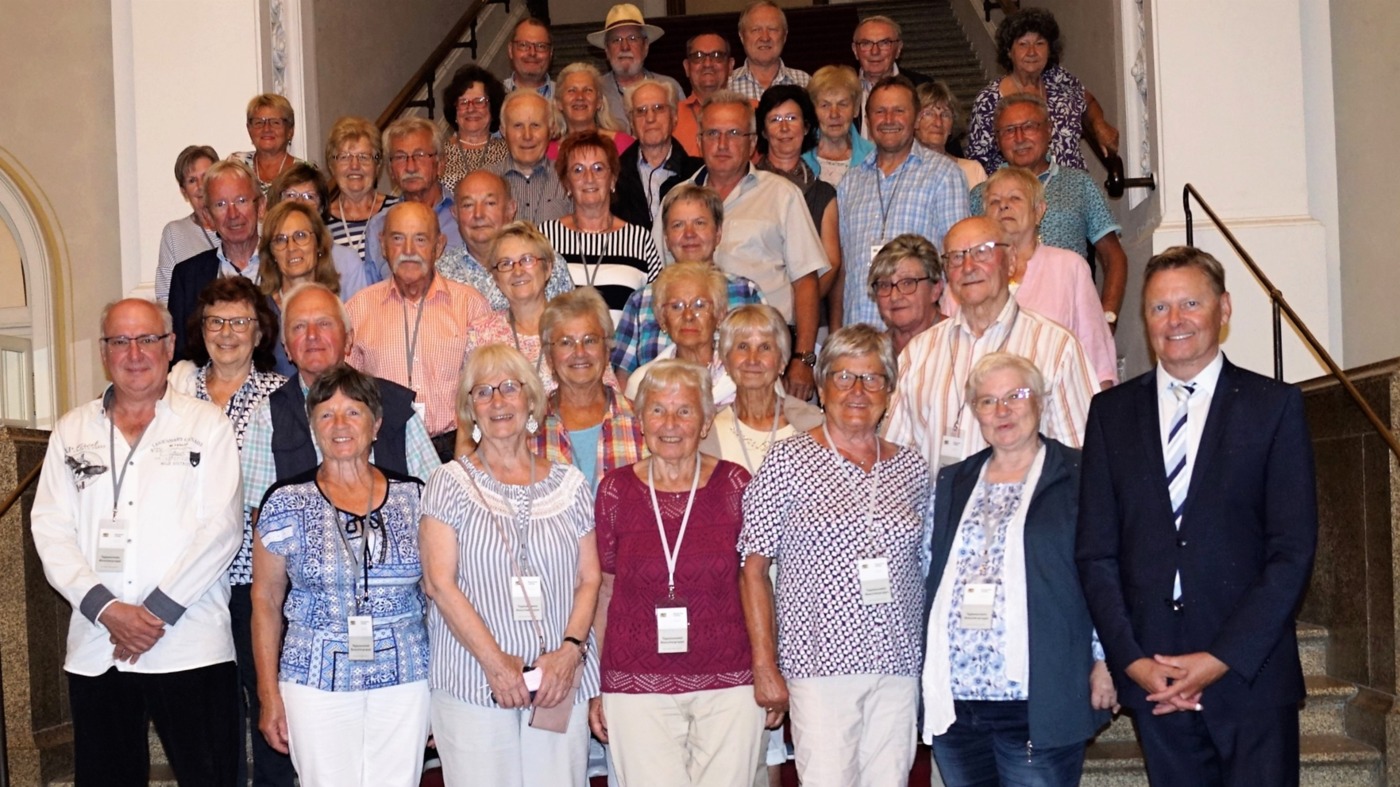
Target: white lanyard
874,486
672,555
411,345
772,432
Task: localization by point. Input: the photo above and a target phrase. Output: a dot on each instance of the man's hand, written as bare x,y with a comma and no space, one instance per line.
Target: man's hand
1102,694
799,382
1196,671
134,630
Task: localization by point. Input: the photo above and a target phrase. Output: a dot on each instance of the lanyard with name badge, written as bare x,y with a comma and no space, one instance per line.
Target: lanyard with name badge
111,533
360,627
672,617
885,208
872,573
525,586
950,450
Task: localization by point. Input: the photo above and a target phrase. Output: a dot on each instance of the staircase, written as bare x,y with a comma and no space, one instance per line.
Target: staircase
1330,758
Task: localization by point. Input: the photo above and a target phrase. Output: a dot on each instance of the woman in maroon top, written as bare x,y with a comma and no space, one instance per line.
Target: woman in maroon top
678,704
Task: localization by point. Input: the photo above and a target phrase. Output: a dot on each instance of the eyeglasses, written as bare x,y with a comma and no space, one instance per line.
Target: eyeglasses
1009,132
642,110
418,156
279,242
224,204
597,168
678,307
1013,400
588,341
714,57
363,159
508,389
845,381
506,264
716,134
631,38
478,102
884,287
775,120
982,252
938,112
235,324
272,123
302,196
145,342
542,48
884,43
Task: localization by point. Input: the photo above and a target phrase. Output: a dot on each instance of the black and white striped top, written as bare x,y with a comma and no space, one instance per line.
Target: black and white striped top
616,263
352,233
544,521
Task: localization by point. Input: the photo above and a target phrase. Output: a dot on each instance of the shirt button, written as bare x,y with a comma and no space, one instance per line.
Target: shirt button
1181,542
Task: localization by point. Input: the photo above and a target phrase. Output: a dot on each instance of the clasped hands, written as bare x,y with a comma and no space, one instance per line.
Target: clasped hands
1175,683
133,629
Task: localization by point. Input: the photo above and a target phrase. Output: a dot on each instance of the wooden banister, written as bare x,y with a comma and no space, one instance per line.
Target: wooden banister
425,73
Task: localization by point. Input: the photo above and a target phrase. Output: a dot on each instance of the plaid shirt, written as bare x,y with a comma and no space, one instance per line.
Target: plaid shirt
746,85
460,266
619,443
926,194
639,337
260,469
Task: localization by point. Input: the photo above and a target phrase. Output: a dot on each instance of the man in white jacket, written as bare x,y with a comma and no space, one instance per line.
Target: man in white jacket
136,519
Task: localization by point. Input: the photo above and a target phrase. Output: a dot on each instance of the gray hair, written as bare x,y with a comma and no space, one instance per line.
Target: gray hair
412,124
729,97
525,94
235,168
1006,102
909,246
602,116
857,340
757,4
881,18
492,359
995,362
759,318
578,302
676,373
166,321
716,285
671,99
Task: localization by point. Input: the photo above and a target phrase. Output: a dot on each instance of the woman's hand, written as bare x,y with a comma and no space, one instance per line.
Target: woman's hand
557,678
596,720
771,694
272,722
505,673
1102,694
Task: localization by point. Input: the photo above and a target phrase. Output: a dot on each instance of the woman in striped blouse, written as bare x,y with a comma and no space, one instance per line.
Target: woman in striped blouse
511,566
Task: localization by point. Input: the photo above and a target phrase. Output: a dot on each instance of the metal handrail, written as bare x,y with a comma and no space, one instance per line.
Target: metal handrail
1281,307
427,72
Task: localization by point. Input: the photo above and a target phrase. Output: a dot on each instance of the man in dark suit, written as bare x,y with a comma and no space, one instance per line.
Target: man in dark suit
1197,527
232,196
656,161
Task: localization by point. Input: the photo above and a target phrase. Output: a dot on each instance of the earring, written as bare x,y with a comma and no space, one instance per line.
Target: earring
531,424
476,433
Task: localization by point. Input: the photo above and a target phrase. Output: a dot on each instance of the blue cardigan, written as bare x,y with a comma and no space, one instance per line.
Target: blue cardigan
1061,631
860,148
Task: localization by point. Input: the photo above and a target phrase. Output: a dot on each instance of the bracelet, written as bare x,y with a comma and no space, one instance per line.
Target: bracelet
582,647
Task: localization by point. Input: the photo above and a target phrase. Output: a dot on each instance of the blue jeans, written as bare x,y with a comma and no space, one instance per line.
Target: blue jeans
989,746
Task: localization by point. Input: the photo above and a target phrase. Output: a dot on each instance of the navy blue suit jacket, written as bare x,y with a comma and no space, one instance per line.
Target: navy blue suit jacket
1061,633
1245,548
189,277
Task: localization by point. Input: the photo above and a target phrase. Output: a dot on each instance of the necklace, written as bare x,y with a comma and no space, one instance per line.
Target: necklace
510,317
772,432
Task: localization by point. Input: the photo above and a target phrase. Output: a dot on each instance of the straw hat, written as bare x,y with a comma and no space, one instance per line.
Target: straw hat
621,15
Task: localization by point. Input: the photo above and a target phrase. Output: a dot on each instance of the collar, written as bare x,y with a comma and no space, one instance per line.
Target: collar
519,169
750,176
109,397
665,162
226,264
867,84
917,154
437,289
1007,316
1205,380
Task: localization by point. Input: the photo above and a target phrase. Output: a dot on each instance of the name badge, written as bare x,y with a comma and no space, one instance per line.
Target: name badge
526,596
421,409
361,637
672,629
875,249
950,451
874,576
111,546
979,599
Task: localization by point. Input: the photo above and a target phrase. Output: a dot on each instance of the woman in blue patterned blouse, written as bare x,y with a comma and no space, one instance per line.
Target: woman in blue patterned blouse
1013,684
337,555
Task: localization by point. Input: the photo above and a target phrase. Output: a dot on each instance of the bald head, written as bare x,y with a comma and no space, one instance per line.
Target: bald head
482,206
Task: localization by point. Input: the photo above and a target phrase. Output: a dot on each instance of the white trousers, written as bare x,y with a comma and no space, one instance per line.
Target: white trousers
481,745
712,738
371,738
854,730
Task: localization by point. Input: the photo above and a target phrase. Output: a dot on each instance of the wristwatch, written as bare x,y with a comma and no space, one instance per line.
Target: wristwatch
582,647
809,358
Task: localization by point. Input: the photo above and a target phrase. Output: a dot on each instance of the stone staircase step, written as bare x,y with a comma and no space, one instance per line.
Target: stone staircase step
1312,648
1324,711
1327,761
